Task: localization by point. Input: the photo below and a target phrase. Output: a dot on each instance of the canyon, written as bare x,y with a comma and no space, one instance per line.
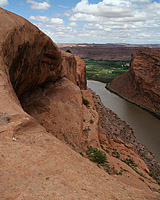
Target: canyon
46,127
142,83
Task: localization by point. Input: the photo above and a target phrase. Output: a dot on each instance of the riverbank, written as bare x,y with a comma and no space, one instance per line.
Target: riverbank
105,70
113,127
133,102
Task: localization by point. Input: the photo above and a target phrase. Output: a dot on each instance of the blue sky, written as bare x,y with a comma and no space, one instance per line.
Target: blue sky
92,21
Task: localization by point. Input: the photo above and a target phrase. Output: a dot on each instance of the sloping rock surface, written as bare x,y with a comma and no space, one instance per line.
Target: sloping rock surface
142,83
34,164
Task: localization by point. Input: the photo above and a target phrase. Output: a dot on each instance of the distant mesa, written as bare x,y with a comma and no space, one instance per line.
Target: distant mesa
109,51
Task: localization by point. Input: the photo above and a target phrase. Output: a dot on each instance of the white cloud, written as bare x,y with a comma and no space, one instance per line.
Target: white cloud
67,14
50,21
109,32
129,21
141,1
39,5
121,10
106,8
39,18
72,24
57,20
61,6
3,2
80,17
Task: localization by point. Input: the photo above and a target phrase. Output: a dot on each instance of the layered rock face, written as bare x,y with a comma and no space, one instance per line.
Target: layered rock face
44,125
142,83
32,58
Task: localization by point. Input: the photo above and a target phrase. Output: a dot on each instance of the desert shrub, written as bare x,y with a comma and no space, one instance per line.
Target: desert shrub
107,151
129,161
96,155
116,154
81,154
85,101
151,174
108,168
140,173
99,157
121,172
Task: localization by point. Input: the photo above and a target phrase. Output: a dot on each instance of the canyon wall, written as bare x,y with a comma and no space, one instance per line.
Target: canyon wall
45,125
142,83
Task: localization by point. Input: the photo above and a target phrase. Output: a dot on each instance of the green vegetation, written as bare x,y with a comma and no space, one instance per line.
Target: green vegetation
81,154
154,189
108,168
105,70
85,101
140,173
107,151
151,174
96,155
116,154
129,161
99,157
120,173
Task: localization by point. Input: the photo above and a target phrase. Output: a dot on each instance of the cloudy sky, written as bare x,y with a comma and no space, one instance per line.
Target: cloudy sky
92,21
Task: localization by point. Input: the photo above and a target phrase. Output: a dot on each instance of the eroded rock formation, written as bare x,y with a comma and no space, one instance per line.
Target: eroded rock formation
142,83
40,143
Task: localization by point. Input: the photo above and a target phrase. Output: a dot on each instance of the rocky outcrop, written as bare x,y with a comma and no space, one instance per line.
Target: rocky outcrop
58,107
44,124
142,83
31,57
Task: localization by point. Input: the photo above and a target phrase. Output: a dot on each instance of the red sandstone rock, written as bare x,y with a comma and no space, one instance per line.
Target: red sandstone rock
142,83
34,163
58,107
31,57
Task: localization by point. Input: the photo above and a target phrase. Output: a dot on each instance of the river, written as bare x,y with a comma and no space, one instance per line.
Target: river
146,127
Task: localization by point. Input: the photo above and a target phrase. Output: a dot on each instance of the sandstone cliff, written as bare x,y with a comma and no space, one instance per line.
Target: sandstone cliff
44,124
142,83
